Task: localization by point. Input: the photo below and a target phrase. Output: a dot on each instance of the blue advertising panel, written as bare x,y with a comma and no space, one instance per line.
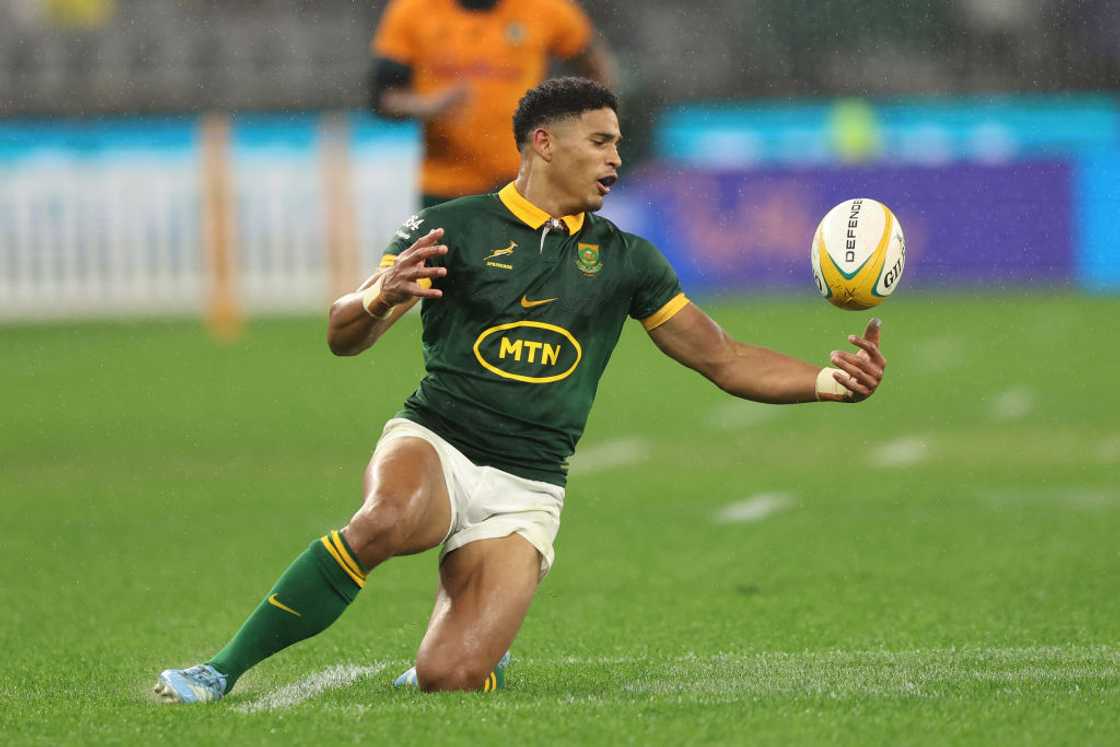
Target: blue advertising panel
966,224
1059,156
993,129
109,137
1098,210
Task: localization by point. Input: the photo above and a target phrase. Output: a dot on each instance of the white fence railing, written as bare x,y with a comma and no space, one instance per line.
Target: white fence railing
110,225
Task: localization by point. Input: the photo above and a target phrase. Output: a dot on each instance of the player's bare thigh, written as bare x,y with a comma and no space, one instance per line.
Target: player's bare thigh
484,593
406,508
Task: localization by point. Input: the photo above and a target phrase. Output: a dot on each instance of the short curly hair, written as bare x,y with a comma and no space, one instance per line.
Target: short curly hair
558,98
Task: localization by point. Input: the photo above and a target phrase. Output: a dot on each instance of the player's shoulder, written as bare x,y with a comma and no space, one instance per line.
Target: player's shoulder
450,216
464,204
640,258
606,231
461,209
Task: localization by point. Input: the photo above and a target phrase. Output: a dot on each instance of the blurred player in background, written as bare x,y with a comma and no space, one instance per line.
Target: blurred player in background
459,66
525,293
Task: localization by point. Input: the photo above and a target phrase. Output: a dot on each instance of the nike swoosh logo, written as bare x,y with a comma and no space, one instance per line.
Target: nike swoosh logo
280,605
527,304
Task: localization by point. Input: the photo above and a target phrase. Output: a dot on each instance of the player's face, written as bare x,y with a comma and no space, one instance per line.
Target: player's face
586,157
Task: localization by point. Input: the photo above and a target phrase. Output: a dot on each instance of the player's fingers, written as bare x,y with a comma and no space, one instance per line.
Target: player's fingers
423,271
863,371
431,237
859,360
857,388
874,326
428,239
871,348
421,292
419,255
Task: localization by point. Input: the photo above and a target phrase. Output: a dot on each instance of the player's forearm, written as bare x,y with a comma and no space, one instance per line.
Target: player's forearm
401,103
358,319
764,375
351,329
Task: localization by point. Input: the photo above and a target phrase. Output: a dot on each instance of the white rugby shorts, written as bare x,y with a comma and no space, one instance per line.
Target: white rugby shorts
486,502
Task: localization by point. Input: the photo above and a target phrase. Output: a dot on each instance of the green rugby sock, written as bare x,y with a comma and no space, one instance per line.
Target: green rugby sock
312,593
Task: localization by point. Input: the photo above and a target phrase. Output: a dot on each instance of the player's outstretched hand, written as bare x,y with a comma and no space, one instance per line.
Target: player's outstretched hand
401,281
862,371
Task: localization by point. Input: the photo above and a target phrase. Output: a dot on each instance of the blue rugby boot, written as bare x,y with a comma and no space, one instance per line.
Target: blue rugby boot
496,680
408,679
198,684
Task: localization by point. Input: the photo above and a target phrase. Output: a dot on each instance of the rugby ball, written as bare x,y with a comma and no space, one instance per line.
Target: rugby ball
858,254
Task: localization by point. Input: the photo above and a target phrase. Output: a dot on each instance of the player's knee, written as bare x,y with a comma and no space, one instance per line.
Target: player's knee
381,527
450,675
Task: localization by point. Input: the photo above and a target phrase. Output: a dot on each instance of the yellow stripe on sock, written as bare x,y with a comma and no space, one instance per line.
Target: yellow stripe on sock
486,684
345,554
356,579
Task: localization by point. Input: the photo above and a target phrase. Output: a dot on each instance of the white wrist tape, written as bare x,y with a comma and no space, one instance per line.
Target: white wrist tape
370,296
827,384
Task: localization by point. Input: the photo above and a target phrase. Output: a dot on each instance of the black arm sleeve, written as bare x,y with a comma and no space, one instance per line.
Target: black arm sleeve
386,74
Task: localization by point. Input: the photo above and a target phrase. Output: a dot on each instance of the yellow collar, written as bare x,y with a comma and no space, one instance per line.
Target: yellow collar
530,214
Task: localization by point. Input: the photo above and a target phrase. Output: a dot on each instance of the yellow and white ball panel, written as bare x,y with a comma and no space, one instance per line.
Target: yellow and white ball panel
895,261
858,254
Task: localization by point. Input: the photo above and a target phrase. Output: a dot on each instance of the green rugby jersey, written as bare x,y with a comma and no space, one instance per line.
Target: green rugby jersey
532,308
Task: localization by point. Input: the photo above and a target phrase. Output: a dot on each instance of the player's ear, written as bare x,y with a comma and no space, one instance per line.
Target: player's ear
541,143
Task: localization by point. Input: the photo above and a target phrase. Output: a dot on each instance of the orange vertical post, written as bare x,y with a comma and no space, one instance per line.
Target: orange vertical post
343,261
223,308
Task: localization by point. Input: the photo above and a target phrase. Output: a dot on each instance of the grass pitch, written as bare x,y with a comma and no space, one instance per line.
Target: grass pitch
938,565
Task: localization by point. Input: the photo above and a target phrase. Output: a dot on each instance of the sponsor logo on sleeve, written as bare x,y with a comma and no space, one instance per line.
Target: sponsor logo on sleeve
409,227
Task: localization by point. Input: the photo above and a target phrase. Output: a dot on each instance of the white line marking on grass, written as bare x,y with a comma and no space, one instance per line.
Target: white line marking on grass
1109,450
940,354
755,508
1013,404
963,671
902,452
312,686
929,673
1056,322
738,414
579,661
1092,499
609,454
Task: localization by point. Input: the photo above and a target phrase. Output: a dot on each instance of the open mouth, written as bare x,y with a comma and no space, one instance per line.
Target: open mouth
606,182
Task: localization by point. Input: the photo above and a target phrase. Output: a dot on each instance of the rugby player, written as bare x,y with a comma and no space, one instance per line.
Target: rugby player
459,67
523,294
